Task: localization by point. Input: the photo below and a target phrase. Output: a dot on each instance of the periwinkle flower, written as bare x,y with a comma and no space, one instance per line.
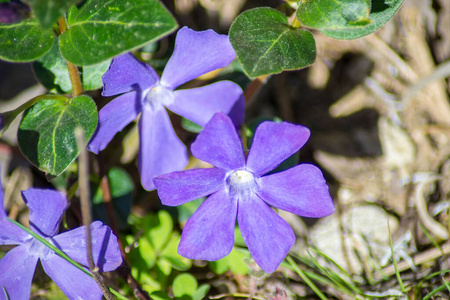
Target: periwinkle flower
18,265
237,188
160,150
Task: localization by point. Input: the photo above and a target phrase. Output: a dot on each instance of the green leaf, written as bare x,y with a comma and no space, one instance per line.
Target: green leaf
266,44
201,292
170,253
158,229
46,133
24,41
51,70
334,14
102,29
48,11
91,76
380,13
184,284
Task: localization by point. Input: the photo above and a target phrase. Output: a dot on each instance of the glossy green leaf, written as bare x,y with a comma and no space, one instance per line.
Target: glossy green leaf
48,11
24,41
184,285
91,76
334,14
51,70
46,133
201,292
266,44
101,29
381,12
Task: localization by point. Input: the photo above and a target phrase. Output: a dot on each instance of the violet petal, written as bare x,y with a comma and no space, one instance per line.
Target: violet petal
267,235
237,112
46,210
10,234
273,143
105,249
200,104
17,270
218,144
196,53
74,283
209,233
180,187
301,190
126,73
113,117
160,150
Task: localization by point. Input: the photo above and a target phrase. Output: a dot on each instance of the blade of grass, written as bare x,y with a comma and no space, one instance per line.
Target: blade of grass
433,241
339,283
446,284
62,254
397,273
433,292
306,279
5,292
329,259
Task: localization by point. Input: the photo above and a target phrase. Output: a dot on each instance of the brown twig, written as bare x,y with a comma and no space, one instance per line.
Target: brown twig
83,179
77,86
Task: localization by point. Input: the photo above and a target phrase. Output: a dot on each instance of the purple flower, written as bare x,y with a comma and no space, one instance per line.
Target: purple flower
238,189
18,265
160,150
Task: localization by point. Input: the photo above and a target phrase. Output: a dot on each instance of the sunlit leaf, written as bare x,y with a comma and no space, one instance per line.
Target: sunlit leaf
265,43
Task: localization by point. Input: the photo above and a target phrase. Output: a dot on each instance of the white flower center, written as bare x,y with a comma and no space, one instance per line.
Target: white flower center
242,183
158,96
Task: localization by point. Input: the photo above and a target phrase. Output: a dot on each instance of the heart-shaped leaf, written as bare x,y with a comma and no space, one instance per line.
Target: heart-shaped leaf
46,133
101,29
381,11
266,44
24,41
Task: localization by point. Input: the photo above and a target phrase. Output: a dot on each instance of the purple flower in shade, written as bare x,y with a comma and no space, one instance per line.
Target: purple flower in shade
18,265
238,189
160,150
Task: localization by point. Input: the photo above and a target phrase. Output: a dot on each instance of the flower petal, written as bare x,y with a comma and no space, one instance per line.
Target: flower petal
267,235
180,187
17,273
10,234
209,233
46,210
200,104
105,249
126,73
301,190
273,143
196,53
74,283
218,144
113,117
160,150
237,112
